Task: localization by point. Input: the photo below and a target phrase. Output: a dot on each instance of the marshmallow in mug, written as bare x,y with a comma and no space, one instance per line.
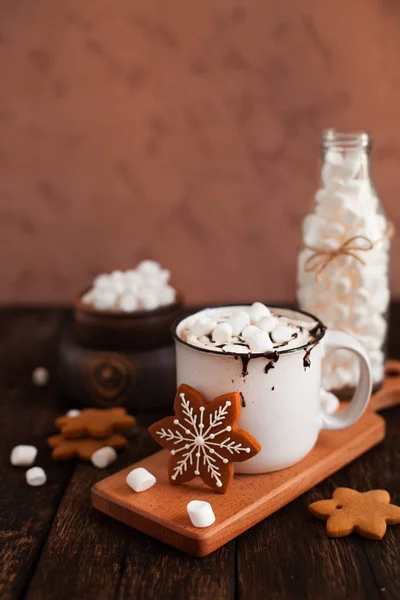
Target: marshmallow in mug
143,288
228,329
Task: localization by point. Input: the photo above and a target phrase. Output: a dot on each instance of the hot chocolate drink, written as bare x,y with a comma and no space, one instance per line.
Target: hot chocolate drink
272,357
252,329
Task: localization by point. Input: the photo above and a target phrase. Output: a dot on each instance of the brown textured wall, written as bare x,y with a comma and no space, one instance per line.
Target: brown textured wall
181,130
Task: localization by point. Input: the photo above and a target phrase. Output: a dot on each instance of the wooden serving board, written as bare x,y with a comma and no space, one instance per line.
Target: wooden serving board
161,511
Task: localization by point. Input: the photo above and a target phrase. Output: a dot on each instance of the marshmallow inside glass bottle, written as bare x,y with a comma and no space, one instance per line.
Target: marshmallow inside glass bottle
229,330
351,294
143,288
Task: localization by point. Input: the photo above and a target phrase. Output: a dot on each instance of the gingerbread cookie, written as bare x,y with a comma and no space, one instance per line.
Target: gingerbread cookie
95,422
63,449
366,513
203,438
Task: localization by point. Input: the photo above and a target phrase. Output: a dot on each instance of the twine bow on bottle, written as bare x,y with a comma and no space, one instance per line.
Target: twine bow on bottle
320,258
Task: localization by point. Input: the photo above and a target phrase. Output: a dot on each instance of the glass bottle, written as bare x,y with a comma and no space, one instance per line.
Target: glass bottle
343,263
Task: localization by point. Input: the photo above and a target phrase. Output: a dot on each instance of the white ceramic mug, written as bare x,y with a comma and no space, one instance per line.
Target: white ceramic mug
282,408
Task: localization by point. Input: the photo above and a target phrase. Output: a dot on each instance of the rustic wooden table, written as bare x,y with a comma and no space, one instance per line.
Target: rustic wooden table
53,545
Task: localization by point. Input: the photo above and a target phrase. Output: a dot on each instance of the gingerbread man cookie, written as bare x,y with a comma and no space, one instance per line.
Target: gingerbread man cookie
95,422
203,438
63,449
366,513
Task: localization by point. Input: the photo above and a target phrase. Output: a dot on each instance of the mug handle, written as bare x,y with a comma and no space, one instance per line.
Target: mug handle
335,340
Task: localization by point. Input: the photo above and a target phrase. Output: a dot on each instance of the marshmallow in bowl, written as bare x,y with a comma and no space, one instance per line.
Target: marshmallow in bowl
229,329
143,288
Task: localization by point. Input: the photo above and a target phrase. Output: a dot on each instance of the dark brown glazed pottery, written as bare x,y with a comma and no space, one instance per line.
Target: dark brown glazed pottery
142,330
113,359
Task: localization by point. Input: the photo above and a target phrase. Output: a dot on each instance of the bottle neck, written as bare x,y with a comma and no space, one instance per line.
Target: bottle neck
348,149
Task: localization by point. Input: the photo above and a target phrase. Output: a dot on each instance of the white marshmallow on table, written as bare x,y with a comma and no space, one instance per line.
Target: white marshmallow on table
140,479
40,376
203,326
23,455
73,412
267,323
103,457
200,513
239,321
128,302
222,333
256,311
35,476
280,335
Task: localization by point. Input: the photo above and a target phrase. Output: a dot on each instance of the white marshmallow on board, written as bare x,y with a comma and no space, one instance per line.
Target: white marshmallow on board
256,311
73,412
201,513
140,479
280,335
23,455
239,321
40,376
222,333
35,476
103,457
203,326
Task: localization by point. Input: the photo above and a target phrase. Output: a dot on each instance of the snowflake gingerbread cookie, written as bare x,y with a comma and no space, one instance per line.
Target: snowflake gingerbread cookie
203,438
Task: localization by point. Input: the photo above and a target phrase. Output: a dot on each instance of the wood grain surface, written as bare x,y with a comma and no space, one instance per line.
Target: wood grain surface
54,546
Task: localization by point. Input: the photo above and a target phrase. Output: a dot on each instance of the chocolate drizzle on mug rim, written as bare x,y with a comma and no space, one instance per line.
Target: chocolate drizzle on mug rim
317,333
